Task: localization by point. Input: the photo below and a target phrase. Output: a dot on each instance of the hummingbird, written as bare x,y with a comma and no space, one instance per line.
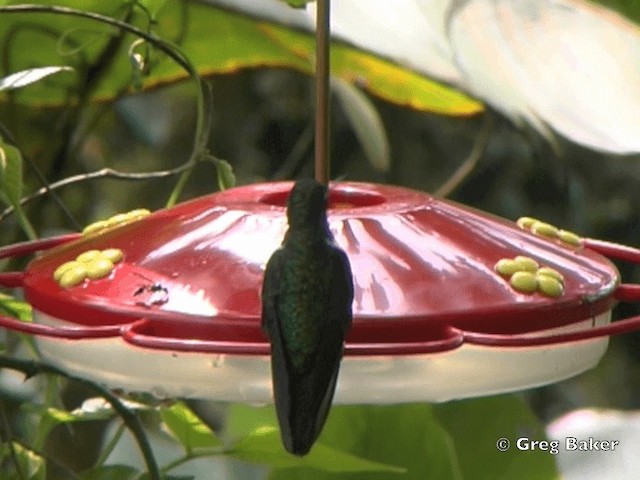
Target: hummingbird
307,296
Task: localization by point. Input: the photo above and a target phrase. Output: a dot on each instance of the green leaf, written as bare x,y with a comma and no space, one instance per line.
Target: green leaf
382,78
408,436
58,416
297,3
476,425
264,447
27,77
11,184
366,122
15,308
110,472
188,429
217,41
404,436
226,177
96,408
10,173
31,465
243,419
50,417
628,8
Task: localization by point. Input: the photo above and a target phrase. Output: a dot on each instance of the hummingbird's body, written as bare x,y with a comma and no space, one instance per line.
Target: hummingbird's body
306,311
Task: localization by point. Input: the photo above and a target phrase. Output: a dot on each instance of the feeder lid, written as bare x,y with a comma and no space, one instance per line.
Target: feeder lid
420,264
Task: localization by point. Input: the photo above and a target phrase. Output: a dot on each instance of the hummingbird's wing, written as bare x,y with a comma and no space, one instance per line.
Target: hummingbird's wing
270,291
341,299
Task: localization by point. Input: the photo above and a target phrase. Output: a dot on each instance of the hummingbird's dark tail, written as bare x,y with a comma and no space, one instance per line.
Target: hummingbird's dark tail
303,399
307,418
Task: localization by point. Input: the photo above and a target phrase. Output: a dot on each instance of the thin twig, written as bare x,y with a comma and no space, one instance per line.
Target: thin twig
470,162
322,150
102,173
297,154
32,367
11,139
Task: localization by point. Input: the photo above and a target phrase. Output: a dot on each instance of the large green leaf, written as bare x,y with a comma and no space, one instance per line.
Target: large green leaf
476,425
263,446
382,78
447,441
188,429
404,436
216,41
256,437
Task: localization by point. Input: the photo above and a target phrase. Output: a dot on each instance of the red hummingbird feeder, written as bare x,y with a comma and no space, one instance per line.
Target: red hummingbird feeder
449,302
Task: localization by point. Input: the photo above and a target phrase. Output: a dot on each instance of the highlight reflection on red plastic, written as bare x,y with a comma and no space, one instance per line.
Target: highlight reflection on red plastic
423,273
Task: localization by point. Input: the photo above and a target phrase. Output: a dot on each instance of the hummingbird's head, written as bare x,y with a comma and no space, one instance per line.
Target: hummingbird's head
307,204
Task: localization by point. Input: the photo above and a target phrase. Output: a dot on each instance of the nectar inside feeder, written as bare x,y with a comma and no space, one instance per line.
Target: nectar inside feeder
449,302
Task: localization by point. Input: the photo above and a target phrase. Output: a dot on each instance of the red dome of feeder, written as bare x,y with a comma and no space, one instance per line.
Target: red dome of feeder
415,259
429,275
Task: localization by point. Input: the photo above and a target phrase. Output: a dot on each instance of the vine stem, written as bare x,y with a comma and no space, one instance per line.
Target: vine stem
168,48
32,367
467,166
99,174
24,222
322,149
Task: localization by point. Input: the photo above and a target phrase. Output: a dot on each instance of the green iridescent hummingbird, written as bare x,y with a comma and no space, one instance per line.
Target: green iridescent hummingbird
306,312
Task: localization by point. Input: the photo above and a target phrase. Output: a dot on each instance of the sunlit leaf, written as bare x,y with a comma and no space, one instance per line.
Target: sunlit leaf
50,417
56,416
188,429
226,177
216,41
366,123
11,184
31,465
98,407
403,436
264,447
382,78
27,77
408,436
243,419
475,427
10,173
15,308
297,3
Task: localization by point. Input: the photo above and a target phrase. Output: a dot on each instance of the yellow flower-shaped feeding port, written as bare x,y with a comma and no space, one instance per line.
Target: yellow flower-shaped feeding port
92,264
549,231
115,221
526,276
